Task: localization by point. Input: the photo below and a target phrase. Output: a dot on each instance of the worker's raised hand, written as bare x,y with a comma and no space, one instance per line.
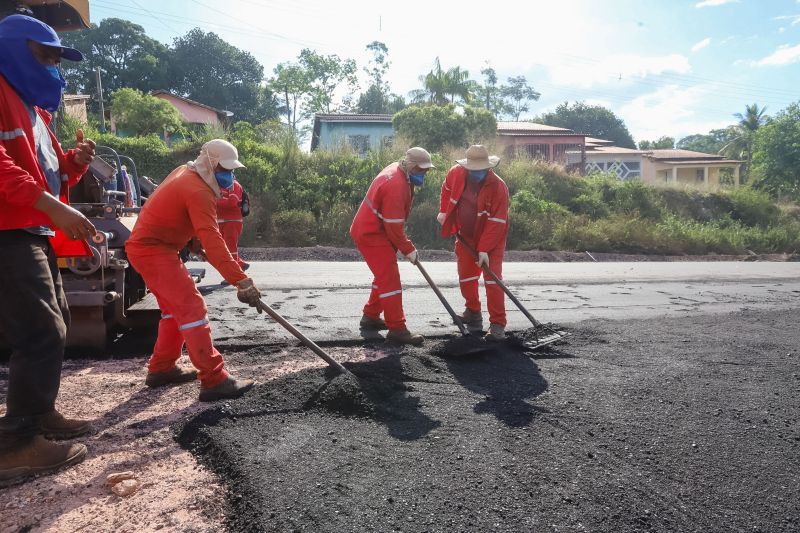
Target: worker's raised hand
483,259
248,293
84,149
69,220
440,218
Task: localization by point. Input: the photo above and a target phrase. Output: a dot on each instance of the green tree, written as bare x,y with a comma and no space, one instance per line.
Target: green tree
437,126
294,89
517,94
488,95
208,69
325,75
126,56
776,154
141,114
593,120
741,145
662,143
378,98
710,143
434,85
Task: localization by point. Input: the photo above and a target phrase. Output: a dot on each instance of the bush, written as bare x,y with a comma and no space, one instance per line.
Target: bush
294,228
752,207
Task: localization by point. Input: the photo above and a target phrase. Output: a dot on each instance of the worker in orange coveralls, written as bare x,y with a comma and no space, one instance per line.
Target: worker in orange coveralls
229,219
379,232
182,207
474,204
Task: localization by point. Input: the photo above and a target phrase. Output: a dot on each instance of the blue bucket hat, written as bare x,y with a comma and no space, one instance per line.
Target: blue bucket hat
23,27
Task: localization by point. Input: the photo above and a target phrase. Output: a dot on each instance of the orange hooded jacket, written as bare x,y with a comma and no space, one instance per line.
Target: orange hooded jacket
182,207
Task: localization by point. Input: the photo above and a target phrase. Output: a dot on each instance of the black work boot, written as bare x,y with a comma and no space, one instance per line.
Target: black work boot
376,324
403,336
227,389
54,425
174,375
473,320
37,456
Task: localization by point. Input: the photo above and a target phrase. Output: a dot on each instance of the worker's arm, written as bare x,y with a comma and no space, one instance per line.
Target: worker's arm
203,214
74,163
447,184
496,228
17,186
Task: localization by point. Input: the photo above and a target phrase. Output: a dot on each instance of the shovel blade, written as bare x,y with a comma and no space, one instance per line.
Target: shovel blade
545,340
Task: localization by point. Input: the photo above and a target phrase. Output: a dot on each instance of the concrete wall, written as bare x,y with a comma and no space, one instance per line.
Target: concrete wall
660,173
76,108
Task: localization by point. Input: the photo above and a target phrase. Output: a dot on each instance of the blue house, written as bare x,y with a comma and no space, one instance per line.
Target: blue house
361,132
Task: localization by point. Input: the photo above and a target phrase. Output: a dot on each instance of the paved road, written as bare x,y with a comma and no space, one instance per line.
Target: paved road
324,299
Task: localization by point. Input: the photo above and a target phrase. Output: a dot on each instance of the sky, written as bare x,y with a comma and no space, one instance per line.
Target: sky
668,67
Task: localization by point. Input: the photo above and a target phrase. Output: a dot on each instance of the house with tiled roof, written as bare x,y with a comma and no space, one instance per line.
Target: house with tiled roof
665,166
540,141
361,132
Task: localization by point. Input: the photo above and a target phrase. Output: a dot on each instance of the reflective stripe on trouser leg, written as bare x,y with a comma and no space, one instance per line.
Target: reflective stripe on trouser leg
231,231
468,275
169,343
495,297
177,295
388,296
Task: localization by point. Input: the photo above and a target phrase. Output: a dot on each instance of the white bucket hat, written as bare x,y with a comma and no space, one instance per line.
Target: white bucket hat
478,158
419,157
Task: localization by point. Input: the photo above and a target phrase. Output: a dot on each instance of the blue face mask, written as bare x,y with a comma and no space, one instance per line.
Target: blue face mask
478,175
417,179
224,178
37,84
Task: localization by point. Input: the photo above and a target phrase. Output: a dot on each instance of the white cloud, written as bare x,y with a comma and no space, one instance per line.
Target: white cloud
714,3
615,68
781,29
702,44
794,18
784,55
671,110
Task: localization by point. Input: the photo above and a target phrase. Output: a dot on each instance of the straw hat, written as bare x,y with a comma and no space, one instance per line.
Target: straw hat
478,158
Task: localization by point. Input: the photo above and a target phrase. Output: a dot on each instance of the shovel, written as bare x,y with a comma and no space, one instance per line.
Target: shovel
470,344
537,342
262,305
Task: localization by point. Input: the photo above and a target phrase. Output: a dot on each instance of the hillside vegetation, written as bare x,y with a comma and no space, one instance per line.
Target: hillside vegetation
304,199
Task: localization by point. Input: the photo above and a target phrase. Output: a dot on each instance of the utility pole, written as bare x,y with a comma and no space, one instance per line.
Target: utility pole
100,99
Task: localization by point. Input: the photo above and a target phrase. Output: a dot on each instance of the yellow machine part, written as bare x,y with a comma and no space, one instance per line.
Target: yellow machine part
62,15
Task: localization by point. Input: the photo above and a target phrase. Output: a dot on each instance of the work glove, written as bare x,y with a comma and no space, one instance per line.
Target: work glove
247,293
440,218
483,259
196,248
412,257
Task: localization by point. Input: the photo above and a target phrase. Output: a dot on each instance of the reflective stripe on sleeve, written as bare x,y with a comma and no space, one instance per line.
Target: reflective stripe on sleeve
453,201
465,280
388,220
500,220
165,317
194,324
13,134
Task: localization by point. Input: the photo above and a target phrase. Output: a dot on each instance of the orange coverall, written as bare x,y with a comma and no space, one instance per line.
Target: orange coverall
489,235
229,218
181,207
378,230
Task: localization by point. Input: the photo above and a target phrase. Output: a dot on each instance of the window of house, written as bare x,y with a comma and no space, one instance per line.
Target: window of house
698,175
359,143
387,141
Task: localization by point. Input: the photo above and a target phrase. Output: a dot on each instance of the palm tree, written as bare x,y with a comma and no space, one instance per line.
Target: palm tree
744,133
441,86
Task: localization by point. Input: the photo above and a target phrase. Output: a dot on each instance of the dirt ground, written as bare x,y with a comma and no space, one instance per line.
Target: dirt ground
673,424
329,253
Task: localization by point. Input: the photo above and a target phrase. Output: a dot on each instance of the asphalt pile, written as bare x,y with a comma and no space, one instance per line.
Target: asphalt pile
661,425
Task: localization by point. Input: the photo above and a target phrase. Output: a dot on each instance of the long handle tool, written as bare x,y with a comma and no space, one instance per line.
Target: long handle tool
305,340
537,342
472,344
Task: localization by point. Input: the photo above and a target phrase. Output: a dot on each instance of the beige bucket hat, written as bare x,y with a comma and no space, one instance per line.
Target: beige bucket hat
419,157
478,158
